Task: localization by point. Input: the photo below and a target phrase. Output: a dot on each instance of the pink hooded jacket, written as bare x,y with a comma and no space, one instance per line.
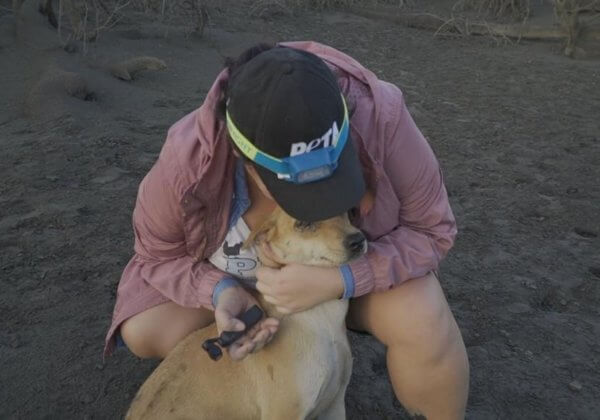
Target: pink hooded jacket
183,203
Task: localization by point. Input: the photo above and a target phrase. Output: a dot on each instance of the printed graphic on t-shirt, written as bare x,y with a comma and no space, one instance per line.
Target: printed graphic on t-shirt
237,264
232,251
233,258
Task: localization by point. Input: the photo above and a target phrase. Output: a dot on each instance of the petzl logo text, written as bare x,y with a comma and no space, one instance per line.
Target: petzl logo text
330,138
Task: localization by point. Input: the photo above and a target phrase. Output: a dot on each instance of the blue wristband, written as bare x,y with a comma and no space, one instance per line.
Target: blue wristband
224,283
348,279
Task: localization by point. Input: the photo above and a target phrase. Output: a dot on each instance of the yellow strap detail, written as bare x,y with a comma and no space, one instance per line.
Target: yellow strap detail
248,148
245,145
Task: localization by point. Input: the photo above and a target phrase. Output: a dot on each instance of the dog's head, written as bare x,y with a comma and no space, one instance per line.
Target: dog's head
281,240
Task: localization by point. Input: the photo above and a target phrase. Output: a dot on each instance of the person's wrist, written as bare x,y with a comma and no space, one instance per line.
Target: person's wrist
347,282
336,283
224,284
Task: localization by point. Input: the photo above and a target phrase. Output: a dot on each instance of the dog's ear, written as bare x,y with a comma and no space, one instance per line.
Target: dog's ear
263,233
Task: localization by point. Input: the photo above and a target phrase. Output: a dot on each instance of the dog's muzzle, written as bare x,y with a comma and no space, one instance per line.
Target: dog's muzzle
356,244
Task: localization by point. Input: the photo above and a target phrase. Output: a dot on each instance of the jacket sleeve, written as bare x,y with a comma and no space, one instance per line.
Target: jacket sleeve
426,226
161,256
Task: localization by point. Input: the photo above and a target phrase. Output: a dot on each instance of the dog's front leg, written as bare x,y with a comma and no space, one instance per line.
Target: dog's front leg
337,409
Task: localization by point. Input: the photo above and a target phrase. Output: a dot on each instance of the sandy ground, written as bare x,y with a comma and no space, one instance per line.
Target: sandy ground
516,128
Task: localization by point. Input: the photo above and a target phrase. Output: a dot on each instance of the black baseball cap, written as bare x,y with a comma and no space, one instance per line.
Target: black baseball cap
285,102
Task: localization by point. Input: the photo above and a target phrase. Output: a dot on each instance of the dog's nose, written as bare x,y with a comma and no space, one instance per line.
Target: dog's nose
355,243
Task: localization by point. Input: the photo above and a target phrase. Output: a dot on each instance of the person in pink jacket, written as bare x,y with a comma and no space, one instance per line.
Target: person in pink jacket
305,127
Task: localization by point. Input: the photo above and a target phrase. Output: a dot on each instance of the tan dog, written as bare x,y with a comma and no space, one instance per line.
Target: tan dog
302,374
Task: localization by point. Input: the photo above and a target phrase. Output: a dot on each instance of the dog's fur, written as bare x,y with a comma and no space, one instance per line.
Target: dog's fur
302,374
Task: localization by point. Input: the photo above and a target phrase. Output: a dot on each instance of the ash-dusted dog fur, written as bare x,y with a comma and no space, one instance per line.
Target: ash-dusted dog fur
302,374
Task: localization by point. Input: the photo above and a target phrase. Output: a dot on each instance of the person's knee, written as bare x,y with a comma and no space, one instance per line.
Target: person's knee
139,340
149,341
421,322
438,336
431,331
156,331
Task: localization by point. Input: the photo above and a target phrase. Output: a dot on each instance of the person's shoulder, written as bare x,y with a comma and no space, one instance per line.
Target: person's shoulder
181,143
193,144
186,152
388,98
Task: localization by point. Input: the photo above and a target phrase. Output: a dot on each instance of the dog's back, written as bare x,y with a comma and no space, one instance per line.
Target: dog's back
302,373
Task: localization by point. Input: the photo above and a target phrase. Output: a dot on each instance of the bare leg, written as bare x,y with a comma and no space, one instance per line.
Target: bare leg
426,357
154,332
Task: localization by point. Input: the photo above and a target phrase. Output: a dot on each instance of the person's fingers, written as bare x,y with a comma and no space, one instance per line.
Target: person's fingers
273,329
258,326
239,351
253,343
261,337
235,353
227,322
249,348
255,331
269,323
252,340
250,334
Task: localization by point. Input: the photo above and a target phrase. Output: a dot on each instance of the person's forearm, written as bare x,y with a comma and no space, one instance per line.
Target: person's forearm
183,280
399,256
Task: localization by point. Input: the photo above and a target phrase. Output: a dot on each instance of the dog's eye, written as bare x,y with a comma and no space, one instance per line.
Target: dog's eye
305,226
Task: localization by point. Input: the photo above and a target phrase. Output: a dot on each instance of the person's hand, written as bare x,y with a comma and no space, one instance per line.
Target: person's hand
297,287
233,302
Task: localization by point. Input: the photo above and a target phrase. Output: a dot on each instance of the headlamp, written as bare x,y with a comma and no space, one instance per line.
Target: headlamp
303,168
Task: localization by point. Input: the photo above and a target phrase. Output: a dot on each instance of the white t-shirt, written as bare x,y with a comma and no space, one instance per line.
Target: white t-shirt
231,258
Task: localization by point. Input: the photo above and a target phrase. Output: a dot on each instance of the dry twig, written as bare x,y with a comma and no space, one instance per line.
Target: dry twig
517,9
567,13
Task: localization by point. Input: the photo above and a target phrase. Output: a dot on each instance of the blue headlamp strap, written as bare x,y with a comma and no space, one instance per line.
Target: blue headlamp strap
301,168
